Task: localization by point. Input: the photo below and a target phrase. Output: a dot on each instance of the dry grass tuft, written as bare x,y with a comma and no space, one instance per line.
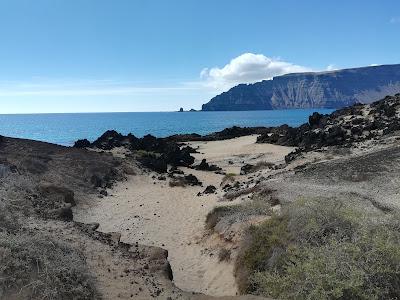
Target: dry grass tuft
37,267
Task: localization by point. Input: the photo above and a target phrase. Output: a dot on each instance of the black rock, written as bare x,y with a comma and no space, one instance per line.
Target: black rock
108,140
210,189
82,144
192,180
153,162
341,128
204,166
247,168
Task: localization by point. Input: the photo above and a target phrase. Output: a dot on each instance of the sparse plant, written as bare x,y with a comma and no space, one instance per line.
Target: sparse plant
216,214
224,254
228,178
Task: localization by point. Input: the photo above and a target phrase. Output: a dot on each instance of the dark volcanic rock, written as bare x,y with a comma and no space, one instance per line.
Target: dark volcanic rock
341,128
210,189
192,180
316,120
108,140
174,170
247,168
184,180
235,131
159,151
154,162
225,134
332,89
204,166
82,143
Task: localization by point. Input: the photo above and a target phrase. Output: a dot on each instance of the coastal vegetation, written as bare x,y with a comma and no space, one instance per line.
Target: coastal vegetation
322,249
36,266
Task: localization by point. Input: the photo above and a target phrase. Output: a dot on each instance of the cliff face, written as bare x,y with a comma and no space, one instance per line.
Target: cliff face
333,89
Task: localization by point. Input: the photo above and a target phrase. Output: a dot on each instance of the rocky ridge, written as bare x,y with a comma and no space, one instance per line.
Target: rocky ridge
343,127
333,89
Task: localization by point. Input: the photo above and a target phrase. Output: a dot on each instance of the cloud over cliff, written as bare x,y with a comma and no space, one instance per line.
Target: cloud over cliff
248,68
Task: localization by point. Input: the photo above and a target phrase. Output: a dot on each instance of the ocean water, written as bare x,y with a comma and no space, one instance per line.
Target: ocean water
64,129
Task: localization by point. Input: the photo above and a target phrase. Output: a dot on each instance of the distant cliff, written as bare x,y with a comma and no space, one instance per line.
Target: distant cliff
333,89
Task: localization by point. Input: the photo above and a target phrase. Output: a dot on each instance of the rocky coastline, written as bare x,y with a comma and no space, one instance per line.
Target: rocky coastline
351,154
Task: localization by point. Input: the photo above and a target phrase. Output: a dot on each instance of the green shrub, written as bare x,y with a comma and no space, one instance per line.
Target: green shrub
322,249
258,251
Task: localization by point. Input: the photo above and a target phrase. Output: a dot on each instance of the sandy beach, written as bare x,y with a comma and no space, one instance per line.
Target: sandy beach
148,211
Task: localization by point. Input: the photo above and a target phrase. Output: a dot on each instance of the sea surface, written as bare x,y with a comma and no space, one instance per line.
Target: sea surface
64,129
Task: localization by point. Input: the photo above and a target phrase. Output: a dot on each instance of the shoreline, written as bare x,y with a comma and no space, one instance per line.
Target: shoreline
64,130
156,210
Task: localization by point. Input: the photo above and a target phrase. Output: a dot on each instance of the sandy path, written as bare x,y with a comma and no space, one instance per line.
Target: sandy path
149,212
232,154
171,218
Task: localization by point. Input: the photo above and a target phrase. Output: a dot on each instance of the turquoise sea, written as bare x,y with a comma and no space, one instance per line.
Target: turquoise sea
64,129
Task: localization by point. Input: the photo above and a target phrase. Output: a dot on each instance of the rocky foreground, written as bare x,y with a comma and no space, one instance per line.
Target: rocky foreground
285,225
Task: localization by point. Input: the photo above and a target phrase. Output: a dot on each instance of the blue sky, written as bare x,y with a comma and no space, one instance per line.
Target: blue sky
131,55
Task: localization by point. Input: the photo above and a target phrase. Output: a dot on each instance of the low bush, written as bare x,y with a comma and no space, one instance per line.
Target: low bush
216,214
36,267
231,214
322,249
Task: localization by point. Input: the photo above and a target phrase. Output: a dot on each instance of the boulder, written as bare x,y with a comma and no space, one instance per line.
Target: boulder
192,180
108,140
210,189
204,166
314,119
247,168
82,144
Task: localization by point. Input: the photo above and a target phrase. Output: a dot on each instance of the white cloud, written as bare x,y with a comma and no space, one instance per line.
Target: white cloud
395,20
248,68
331,67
